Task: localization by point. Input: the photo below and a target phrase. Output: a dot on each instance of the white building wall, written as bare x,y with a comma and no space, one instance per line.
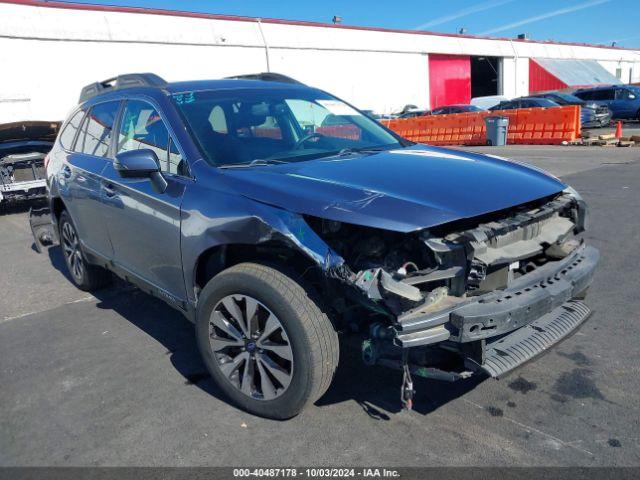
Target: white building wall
48,54
627,72
360,77
515,76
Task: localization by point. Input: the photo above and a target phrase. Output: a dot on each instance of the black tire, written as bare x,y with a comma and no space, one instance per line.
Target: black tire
311,336
87,277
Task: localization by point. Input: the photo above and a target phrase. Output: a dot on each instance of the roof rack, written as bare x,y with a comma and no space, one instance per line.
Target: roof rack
128,80
266,77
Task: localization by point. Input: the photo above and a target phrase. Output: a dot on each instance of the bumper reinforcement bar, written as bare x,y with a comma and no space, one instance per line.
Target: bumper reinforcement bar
517,348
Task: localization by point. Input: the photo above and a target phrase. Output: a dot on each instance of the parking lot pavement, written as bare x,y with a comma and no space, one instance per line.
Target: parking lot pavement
29,282
629,128
116,379
565,160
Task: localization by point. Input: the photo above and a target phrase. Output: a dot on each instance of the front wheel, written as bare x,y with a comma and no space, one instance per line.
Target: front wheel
265,341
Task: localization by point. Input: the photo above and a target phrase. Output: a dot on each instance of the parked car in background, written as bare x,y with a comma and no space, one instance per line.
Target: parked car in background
413,114
460,108
23,148
622,100
486,102
234,202
371,114
591,114
524,102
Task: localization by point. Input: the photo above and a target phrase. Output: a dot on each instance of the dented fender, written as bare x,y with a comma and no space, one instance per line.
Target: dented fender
230,219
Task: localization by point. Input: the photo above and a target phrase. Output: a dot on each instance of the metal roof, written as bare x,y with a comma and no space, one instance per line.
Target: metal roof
239,18
577,73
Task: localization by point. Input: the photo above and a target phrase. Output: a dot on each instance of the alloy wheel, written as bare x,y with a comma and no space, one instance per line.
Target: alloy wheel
251,347
72,252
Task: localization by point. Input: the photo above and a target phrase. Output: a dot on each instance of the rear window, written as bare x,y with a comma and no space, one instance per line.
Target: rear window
95,136
69,133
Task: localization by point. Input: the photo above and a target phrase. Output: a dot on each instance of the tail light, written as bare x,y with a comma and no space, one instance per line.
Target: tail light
46,161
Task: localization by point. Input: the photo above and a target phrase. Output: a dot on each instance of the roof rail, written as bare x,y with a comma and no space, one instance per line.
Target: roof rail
127,80
266,77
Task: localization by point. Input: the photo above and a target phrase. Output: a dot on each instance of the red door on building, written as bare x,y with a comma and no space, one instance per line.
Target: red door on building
449,79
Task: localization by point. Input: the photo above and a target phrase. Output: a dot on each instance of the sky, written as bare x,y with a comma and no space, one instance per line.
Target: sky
584,21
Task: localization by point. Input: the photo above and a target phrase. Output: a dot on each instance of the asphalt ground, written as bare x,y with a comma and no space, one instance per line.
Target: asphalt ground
115,378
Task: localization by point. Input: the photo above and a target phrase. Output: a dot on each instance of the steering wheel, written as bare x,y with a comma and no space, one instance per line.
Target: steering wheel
306,138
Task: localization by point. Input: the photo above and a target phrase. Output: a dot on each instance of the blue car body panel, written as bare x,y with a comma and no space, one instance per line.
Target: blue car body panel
618,99
161,237
402,190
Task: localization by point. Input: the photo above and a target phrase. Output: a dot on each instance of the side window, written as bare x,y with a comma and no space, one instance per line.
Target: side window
142,127
606,94
68,134
623,94
95,135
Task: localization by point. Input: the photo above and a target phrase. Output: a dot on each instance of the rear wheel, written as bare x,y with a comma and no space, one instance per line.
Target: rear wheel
265,341
84,275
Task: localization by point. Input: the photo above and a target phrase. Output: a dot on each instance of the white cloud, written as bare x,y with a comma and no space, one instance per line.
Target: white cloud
479,7
536,18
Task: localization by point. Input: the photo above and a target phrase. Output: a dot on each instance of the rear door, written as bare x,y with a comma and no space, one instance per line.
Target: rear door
144,225
79,176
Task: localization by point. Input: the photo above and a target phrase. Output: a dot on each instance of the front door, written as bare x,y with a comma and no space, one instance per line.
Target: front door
144,225
624,104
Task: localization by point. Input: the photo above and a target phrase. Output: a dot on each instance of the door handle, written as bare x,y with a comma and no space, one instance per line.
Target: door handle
109,189
66,171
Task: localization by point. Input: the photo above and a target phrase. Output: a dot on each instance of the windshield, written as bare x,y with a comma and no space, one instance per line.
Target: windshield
566,98
251,126
545,102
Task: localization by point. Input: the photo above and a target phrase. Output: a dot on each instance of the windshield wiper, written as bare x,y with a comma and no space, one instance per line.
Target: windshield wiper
349,151
258,162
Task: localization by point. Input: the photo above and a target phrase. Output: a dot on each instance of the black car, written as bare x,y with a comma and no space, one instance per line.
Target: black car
460,108
276,216
414,113
592,114
524,102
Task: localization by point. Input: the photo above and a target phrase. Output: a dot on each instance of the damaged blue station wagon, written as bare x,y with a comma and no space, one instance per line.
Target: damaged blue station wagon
275,215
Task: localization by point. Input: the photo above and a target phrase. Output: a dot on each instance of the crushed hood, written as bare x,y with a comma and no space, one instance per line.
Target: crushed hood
402,190
31,130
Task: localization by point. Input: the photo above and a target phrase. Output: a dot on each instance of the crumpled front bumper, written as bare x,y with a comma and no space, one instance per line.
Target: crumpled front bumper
545,291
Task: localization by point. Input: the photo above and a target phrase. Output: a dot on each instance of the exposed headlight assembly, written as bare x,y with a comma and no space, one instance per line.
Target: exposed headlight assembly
582,217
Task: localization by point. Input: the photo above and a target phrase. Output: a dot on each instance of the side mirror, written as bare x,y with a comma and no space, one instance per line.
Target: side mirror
137,163
141,163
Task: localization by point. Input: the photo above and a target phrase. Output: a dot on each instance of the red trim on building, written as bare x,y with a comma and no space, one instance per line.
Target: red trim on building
238,18
541,80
